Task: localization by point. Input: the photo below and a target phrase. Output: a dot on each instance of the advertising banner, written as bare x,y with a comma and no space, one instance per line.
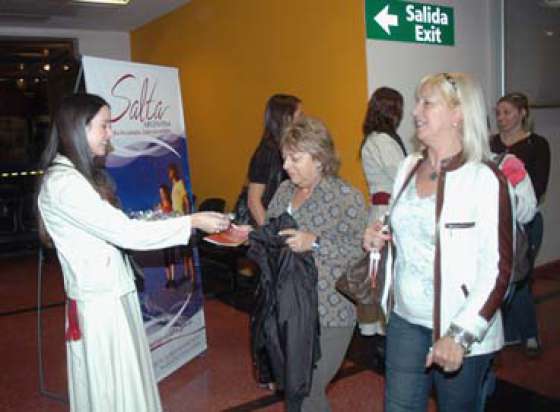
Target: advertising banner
149,163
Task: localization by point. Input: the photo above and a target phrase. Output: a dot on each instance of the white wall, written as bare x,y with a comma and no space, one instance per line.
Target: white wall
528,75
113,45
547,124
476,51
401,65
537,43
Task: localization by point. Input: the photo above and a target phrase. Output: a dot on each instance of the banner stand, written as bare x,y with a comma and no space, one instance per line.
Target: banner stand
41,366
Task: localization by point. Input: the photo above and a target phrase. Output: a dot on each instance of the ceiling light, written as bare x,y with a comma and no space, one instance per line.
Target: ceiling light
117,2
46,67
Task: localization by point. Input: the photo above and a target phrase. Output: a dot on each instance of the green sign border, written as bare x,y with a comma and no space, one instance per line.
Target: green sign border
405,31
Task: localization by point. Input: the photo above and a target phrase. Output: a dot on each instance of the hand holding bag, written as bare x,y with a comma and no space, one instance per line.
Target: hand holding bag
363,283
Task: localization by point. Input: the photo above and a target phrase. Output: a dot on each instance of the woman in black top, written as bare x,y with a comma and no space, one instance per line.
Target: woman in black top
512,114
265,170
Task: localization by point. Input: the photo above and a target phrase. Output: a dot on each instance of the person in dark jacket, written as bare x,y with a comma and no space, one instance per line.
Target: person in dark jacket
331,216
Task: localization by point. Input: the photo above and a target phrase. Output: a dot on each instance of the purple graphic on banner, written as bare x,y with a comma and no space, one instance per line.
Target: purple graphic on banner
171,292
138,181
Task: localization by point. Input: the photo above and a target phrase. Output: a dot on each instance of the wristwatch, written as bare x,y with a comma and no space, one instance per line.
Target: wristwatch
316,245
462,337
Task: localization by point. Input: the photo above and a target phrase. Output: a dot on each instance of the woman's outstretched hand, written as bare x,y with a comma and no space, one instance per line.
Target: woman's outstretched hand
210,222
242,228
375,236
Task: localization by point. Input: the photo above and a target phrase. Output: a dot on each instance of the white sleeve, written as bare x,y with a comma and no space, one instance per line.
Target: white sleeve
494,227
369,159
72,200
525,200
392,155
380,154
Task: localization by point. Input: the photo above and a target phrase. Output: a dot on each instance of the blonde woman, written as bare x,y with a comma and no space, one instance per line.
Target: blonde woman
452,226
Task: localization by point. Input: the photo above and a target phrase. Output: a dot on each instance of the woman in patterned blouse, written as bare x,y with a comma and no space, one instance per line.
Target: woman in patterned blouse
331,217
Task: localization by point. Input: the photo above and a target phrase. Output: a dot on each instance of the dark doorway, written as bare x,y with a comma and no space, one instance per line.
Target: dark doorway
34,75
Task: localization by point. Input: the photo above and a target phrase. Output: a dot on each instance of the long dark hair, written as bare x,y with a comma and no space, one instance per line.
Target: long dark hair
383,115
68,138
280,110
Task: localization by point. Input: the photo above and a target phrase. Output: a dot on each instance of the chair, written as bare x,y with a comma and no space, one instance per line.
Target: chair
212,204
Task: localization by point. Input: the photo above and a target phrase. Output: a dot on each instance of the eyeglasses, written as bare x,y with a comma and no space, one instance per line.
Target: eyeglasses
450,80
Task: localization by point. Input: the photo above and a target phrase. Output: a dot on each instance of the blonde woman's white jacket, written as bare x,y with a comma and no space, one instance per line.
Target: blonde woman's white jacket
89,234
474,245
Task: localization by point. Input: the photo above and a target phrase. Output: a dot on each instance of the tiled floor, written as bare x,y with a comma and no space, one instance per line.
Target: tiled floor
221,379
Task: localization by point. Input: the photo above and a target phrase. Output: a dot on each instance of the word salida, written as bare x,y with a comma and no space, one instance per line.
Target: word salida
426,16
145,107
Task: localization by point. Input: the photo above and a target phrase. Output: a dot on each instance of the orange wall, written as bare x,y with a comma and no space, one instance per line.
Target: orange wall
232,55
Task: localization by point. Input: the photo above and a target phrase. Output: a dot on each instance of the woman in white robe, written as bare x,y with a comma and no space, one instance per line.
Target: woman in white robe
109,364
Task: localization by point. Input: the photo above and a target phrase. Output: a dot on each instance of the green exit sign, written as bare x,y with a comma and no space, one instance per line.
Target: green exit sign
410,22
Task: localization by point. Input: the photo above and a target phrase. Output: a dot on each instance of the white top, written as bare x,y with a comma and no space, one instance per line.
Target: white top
381,157
413,219
89,233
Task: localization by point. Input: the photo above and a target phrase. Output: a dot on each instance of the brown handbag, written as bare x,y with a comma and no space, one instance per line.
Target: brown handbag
357,284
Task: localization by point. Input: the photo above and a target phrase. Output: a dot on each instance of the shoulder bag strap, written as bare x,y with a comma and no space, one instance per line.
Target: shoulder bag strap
411,173
387,256
500,158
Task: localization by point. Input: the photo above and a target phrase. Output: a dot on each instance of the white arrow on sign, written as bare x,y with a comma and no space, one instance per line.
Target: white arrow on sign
386,20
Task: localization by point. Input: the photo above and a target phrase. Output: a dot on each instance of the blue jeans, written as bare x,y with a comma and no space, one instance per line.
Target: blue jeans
520,316
408,383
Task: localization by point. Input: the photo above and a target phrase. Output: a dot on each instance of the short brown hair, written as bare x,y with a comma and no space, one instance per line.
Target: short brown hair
311,136
520,102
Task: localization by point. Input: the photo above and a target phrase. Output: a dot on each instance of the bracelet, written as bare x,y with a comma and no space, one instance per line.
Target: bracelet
316,245
461,337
